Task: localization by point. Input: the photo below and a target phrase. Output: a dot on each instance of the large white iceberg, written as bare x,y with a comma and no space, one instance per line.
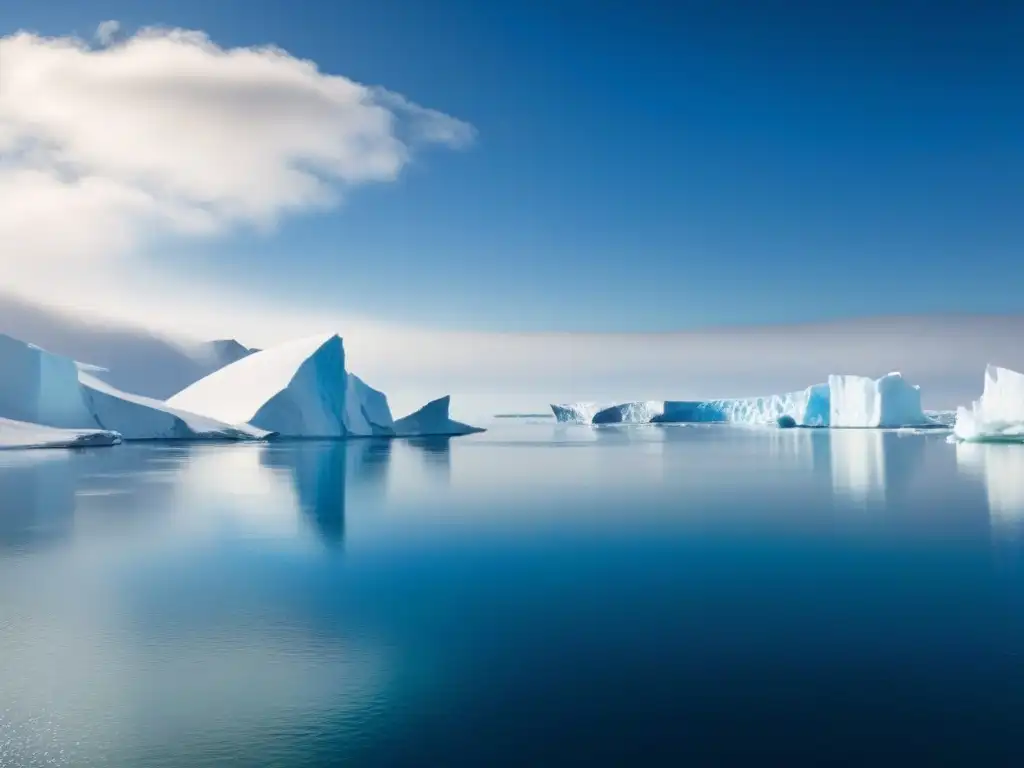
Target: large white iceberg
860,401
432,420
999,415
845,401
20,434
38,387
297,389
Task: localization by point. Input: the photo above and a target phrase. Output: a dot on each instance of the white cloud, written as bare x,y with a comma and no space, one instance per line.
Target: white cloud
106,31
104,149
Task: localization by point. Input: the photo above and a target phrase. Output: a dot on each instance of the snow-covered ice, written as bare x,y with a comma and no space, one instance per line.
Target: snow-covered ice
432,420
845,401
19,434
142,418
38,387
999,415
297,389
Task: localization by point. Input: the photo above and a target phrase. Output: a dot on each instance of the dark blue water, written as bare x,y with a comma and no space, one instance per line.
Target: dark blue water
536,595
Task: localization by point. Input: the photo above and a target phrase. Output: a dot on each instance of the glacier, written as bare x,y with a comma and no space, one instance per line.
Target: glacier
998,416
49,390
845,401
432,420
19,434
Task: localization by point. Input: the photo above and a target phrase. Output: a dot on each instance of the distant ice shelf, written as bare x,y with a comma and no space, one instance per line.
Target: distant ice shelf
845,401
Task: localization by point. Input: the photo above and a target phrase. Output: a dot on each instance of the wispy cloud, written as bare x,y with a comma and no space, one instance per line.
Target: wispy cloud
104,148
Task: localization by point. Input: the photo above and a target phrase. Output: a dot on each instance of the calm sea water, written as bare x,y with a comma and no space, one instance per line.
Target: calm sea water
536,595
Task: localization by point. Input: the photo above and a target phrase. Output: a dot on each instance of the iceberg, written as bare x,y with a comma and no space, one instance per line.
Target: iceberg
860,401
999,415
20,434
845,401
40,388
49,390
808,408
296,389
432,420
576,413
137,417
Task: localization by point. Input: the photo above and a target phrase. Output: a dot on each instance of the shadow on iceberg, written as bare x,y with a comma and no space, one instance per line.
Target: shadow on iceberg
432,420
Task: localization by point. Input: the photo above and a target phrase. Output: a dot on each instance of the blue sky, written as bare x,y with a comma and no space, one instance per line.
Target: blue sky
640,168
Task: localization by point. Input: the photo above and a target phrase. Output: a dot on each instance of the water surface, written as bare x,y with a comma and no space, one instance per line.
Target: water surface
536,595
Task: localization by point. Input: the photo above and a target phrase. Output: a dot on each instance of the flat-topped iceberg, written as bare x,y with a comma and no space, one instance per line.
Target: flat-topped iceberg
860,401
432,420
20,434
999,415
845,401
41,388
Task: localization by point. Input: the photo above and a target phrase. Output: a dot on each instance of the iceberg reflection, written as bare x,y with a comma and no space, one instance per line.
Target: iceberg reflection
1001,468
326,474
871,465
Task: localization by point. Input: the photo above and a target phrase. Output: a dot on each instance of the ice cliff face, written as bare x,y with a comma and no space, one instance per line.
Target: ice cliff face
432,420
845,401
859,401
999,415
40,388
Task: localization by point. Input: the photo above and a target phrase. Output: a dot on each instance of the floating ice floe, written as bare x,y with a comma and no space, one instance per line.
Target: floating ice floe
19,434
